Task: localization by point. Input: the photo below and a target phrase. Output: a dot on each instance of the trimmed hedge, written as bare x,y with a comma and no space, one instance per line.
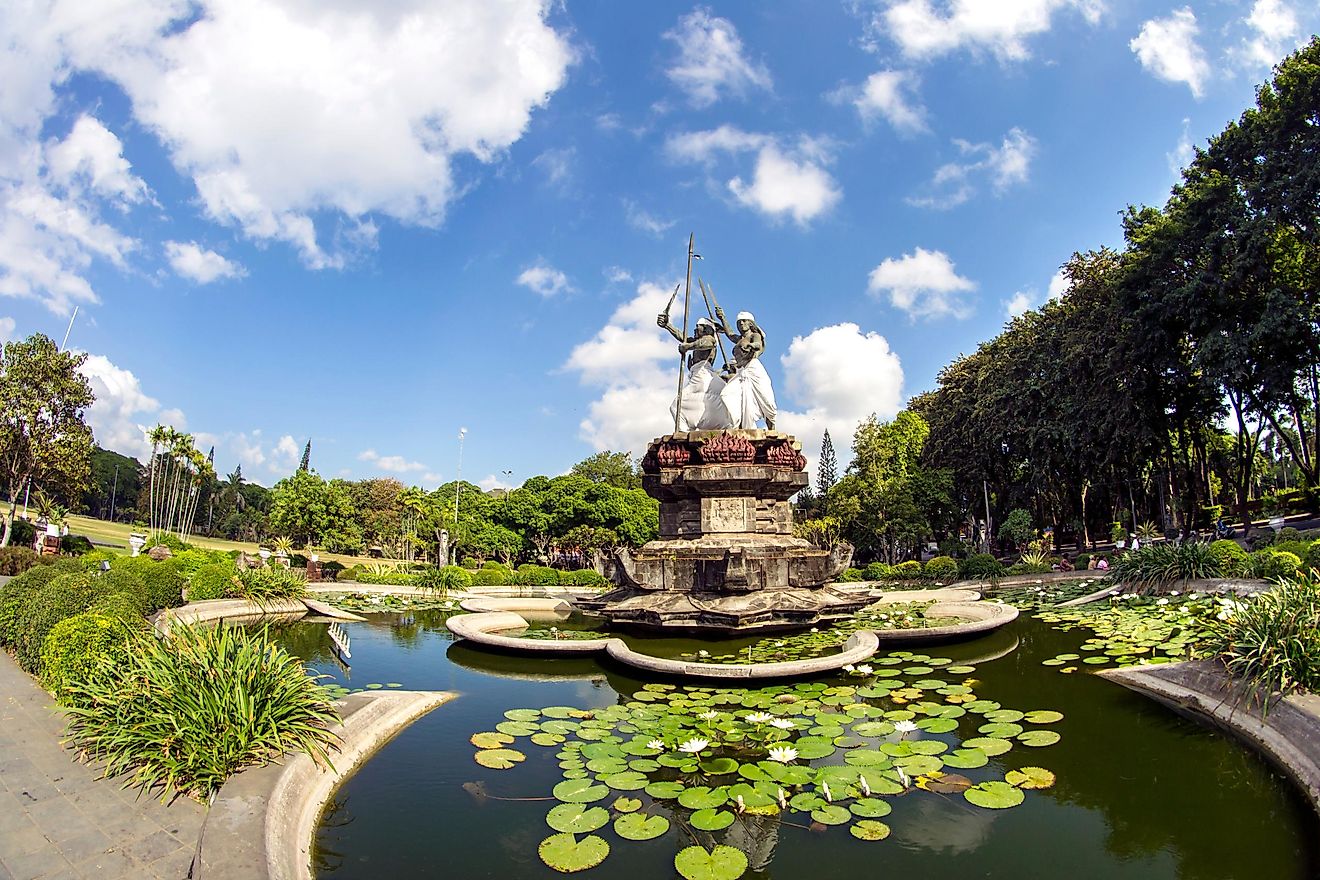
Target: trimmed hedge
582,577
1230,555
1273,564
878,571
215,581
908,570
162,579
941,568
536,576
980,565
851,576
447,577
76,647
16,596
62,597
16,560
122,580
492,577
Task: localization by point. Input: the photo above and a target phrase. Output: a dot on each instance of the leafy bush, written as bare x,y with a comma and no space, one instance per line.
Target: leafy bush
269,584
92,561
1028,568
979,566
445,578
941,568
582,577
1082,562
1312,557
16,560
878,571
492,577
188,562
16,596
1271,564
75,545
124,606
493,564
185,713
907,571
1273,640
23,533
851,576
1230,557
469,563
163,582
1157,565
381,574
76,647
536,576
121,580
1287,533
215,581
61,597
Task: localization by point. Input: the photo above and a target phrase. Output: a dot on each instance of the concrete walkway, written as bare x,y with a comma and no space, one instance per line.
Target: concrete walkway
57,819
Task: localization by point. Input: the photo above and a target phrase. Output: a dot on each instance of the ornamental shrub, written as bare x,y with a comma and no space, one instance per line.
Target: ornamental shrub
1230,556
851,576
23,534
186,712
878,571
1157,565
269,584
163,582
582,577
469,563
215,581
1082,562
491,563
129,583
909,570
92,561
61,597
1273,639
189,561
492,577
1312,557
386,578
76,647
941,568
1272,565
16,596
75,545
445,578
1287,533
123,606
16,560
536,576
979,566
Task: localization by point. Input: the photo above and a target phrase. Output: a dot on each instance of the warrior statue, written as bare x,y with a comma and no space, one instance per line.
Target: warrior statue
747,394
698,407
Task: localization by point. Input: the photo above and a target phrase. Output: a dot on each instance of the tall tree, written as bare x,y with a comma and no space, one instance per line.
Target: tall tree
306,463
827,472
44,442
615,469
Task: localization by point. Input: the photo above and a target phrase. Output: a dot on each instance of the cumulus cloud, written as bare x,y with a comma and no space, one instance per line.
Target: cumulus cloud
787,181
1004,166
629,362
645,220
544,279
557,166
383,98
196,263
923,284
395,463
1167,48
891,95
1274,32
841,375
925,30
1183,153
7,326
1059,285
491,481
1019,303
122,409
711,62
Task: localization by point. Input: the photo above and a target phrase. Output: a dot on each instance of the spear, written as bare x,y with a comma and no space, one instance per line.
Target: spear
719,339
687,299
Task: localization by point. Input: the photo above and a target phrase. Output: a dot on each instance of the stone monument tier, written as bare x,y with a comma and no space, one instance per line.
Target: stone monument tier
726,558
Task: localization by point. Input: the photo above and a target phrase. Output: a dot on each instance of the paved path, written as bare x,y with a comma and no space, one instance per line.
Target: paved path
57,819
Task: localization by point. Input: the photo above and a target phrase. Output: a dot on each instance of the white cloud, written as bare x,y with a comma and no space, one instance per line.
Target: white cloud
121,408
617,275
432,479
787,182
1059,285
7,326
890,94
1019,303
1182,155
923,30
842,375
645,220
557,165
923,284
490,481
395,463
248,449
92,156
545,280
711,60
196,263
1167,48
1275,31
628,361
1004,166
382,98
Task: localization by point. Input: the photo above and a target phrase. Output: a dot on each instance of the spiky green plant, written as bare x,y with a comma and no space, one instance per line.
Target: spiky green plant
262,585
180,715
1159,565
1272,640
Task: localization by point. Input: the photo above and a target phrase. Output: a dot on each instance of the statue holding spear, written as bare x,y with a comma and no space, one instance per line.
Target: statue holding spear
698,406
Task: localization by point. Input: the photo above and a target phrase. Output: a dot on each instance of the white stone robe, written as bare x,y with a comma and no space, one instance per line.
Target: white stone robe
748,396
703,410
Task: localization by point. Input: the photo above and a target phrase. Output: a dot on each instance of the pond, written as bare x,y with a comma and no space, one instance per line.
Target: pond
1138,791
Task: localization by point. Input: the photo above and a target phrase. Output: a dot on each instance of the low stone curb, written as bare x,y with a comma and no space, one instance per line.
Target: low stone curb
263,821
1289,734
240,610
326,610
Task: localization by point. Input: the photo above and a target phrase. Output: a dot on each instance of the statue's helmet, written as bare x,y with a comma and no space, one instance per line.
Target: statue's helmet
745,316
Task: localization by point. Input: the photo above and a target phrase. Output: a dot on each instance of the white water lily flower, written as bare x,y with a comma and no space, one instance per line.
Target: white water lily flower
904,726
694,745
709,715
863,785
783,754
1193,595
848,667
783,800
903,777
813,629
656,744
741,805
759,717
864,669
825,790
1162,602
783,724
1173,592
703,653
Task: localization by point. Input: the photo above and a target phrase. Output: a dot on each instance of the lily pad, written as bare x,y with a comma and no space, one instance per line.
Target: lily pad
1043,716
966,759
627,805
869,829
711,820
499,759
490,740
546,739
719,766
1030,777
870,808
831,814
522,714
568,855
580,791
1038,738
517,728
638,826
720,863
988,744
994,795
1000,730
664,791
701,797
577,818
629,780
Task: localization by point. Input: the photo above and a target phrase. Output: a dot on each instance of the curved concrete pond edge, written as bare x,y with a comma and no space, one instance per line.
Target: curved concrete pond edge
489,616
1288,734
263,821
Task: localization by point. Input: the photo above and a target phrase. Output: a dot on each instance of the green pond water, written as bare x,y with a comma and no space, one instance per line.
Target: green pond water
1139,792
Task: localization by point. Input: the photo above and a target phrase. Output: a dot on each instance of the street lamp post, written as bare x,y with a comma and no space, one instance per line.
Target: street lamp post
458,484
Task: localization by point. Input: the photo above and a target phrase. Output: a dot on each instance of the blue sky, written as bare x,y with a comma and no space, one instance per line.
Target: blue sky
372,227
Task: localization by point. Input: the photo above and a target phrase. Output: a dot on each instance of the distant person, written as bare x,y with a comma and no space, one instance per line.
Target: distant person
1065,564
1136,543
1102,565
1092,563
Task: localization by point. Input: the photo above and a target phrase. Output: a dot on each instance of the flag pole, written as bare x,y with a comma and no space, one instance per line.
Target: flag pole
687,299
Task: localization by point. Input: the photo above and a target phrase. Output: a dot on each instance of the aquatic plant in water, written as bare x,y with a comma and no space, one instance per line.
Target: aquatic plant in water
692,762
1133,628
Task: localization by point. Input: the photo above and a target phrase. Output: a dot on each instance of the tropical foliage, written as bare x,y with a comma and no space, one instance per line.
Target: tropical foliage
1273,639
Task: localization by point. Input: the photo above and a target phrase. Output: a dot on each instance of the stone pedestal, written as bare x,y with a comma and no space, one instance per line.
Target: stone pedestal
726,558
